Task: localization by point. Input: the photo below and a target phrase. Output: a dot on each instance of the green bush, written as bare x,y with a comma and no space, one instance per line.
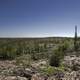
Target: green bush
7,52
24,60
49,70
55,60
57,56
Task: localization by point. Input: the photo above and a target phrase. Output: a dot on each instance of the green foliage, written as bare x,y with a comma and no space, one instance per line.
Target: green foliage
55,60
8,52
49,70
65,45
37,48
24,60
58,54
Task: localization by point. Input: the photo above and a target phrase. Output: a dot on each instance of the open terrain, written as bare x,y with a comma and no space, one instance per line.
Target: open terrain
39,59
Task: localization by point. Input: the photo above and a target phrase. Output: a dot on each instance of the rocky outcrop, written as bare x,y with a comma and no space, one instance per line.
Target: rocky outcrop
12,78
13,72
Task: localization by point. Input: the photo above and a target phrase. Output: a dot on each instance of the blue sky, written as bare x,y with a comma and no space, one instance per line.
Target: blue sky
39,18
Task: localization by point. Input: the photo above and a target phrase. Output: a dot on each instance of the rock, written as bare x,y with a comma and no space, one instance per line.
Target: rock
35,77
39,77
72,62
10,78
24,72
18,71
21,78
39,64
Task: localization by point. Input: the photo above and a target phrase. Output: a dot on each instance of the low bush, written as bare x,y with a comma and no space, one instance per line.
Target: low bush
24,60
55,60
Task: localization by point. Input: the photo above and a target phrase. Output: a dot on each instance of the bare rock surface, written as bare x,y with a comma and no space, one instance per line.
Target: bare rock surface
9,71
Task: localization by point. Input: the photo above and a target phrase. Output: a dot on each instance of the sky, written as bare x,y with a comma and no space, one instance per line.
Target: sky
39,18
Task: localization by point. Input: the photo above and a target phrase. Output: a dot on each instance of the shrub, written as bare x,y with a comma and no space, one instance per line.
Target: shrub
48,70
55,60
24,60
7,52
56,57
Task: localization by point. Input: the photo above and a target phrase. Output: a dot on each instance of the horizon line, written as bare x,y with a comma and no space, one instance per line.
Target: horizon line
43,37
